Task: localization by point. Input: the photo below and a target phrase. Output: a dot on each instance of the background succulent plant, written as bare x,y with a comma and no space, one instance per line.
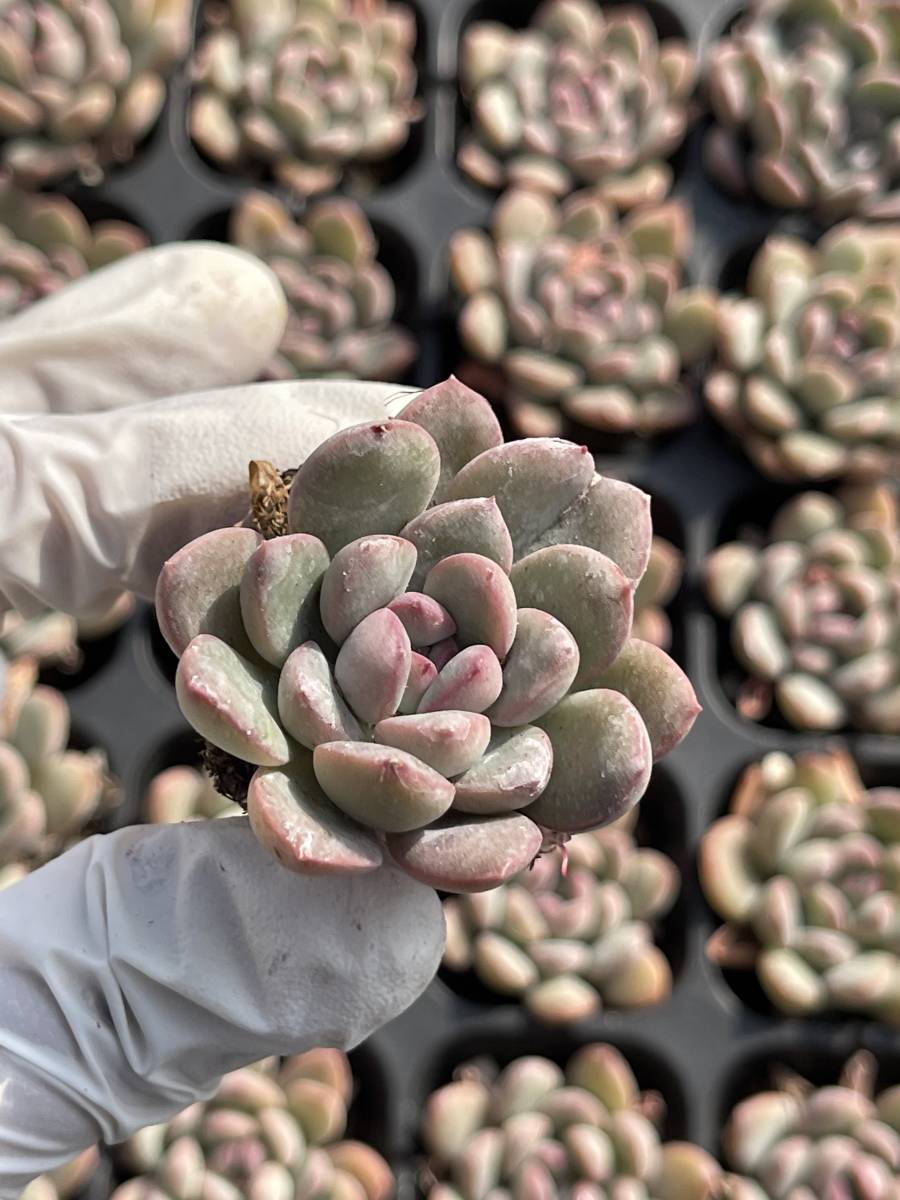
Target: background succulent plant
67,1181
658,586
806,95
573,931
305,89
808,370
45,242
805,868
583,95
47,793
579,316
840,1140
271,1132
55,638
532,1129
341,299
183,793
83,81
815,611
444,627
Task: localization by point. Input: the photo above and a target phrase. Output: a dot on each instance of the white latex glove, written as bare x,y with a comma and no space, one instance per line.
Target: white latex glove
141,966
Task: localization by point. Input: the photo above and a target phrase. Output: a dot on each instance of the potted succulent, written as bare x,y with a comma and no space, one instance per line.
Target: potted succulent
83,84
814,610
307,91
573,932
573,316
805,870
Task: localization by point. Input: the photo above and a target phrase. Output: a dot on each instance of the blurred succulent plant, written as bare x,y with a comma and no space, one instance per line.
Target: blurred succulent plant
53,639
69,1180
534,1130
83,81
802,1141
582,95
805,868
576,315
815,611
45,243
806,96
440,622
808,370
306,89
572,932
657,588
47,793
271,1132
341,299
184,794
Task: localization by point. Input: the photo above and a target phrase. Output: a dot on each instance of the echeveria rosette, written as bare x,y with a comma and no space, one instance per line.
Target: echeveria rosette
806,98
656,588
45,243
807,374
304,89
582,95
182,793
273,1131
533,1129
805,870
83,81
815,611
839,1140
435,660
341,299
574,931
572,314
48,793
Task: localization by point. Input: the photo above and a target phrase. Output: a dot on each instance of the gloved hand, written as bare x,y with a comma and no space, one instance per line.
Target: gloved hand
139,967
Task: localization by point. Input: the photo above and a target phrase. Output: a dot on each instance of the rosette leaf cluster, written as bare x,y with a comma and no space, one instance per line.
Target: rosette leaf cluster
432,656
183,793
800,1140
582,95
45,243
48,793
575,314
815,611
572,933
341,299
83,81
657,588
805,868
273,1131
304,89
54,639
807,374
806,97
533,1129
70,1180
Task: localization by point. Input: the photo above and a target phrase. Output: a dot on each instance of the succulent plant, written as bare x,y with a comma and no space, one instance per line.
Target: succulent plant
805,869
583,95
806,96
657,588
47,793
45,243
802,1141
54,638
533,1130
71,1179
808,361
341,299
83,81
305,89
431,654
271,1132
183,793
573,931
815,611
576,315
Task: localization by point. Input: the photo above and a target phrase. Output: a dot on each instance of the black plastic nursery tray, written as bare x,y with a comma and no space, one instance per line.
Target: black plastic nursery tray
716,1038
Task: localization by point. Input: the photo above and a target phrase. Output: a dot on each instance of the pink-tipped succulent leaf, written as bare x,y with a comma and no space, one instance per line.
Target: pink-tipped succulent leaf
434,660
